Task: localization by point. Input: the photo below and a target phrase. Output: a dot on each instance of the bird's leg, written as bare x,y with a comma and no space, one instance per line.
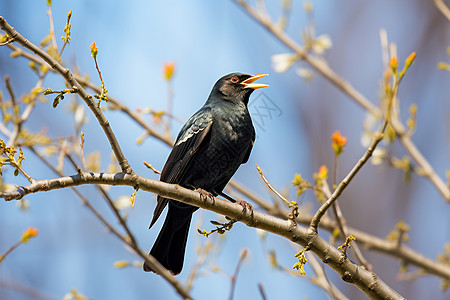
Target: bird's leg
229,198
204,194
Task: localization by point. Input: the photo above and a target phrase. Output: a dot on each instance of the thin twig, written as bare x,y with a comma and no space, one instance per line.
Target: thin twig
367,240
426,169
130,241
378,137
340,221
68,76
442,8
136,117
4,255
298,234
110,204
322,68
322,280
24,117
317,64
14,285
271,187
236,272
261,291
52,27
151,168
7,42
10,90
205,249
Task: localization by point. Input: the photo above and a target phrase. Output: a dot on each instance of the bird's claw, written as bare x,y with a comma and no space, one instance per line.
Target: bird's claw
204,195
245,206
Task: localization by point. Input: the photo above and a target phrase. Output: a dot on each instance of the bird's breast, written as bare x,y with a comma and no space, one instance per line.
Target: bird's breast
234,128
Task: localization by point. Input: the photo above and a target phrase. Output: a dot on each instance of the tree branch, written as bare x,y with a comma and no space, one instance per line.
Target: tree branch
318,65
70,79
427,169
323,69
442,8
129,239
367,281
378,137
365,239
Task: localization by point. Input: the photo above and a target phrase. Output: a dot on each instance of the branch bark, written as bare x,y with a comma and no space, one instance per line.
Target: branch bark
323,69
365,239
70,79
367,281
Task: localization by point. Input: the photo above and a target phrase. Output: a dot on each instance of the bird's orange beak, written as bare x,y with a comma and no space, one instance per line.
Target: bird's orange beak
248,83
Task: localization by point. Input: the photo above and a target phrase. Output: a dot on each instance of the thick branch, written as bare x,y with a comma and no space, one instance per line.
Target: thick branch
68,76
365,239
367,281
129,239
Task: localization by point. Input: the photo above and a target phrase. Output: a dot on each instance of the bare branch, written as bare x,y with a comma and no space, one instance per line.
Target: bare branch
426,169
129,240
366,240
378,137
322,68
322,281
442,8
318,65
68,76
367,281
236,272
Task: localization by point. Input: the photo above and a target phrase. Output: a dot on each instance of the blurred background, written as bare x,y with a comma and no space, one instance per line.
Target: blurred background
206,40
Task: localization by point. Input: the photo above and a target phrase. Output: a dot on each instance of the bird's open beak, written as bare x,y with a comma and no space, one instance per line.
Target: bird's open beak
248,83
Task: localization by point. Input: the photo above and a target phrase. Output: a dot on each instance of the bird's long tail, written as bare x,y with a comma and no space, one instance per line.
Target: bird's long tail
170,245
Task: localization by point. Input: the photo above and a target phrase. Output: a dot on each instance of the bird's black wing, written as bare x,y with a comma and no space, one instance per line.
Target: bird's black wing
188,142
249,150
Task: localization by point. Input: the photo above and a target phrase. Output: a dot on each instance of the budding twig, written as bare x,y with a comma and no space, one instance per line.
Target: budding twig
151,167
290,204
69,77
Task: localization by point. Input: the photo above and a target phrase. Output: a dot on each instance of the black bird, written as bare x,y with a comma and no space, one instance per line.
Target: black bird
209,149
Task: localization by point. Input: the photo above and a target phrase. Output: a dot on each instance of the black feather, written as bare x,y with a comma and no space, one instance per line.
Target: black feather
209,149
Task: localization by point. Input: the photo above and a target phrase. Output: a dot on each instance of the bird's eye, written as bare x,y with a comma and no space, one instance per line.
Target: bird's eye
234,79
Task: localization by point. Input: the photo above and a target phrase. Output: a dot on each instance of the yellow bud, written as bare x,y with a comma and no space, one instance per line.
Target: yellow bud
339,142
168,70
323,172
297,179
121,264
94,50
410,59
393,63
29,233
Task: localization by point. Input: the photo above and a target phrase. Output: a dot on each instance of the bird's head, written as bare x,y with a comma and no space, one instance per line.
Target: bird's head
236,87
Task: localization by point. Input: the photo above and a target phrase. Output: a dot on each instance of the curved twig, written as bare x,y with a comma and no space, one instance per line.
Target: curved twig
323,69
367,281
367,240
68,76
128,239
